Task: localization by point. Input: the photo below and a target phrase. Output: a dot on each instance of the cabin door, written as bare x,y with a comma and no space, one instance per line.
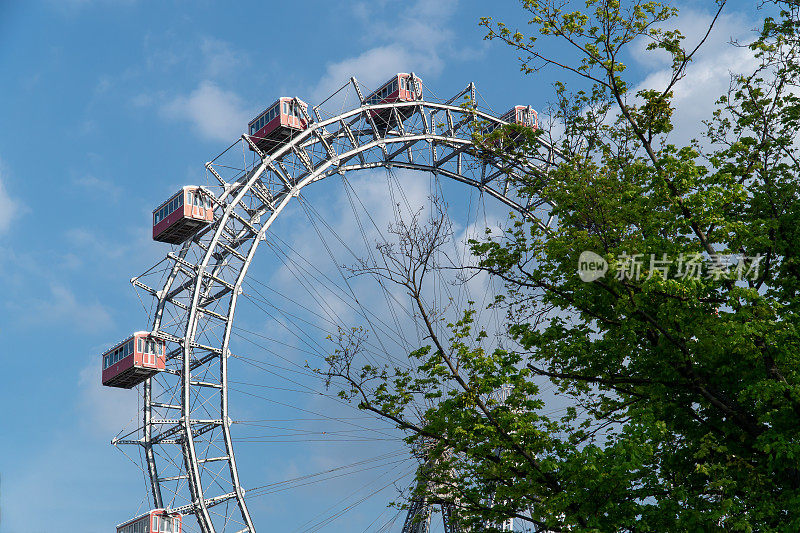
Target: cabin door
149,353
190,198
197,206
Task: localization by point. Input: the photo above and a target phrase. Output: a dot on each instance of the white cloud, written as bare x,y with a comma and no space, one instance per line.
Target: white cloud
370,68
217,114
707,76
108,410
63,306
220,57
9,208
418,40
98,186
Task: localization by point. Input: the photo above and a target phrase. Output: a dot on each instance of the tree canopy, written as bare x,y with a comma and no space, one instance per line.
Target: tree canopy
679,354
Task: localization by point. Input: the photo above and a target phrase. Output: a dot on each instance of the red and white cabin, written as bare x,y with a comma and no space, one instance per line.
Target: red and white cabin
519,114
182,215
522,115
278,123
155,521
399,88
133,360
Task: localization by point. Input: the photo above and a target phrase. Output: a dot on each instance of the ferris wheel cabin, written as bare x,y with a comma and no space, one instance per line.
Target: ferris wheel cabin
399,88
278,123
520,115
523,116
133,360
181,216
155,521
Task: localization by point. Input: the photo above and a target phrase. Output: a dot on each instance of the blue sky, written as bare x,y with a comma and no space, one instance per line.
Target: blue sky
107,107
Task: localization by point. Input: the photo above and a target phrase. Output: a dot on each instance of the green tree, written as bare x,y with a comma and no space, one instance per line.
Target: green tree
684,390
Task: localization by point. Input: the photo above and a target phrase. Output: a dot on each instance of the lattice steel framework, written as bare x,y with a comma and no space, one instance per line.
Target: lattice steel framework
185,435
420,511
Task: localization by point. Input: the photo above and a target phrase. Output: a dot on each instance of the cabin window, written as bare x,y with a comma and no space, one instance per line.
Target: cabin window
140,345
285,108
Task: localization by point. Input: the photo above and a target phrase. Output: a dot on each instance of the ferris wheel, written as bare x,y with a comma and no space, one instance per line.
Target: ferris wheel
205,378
